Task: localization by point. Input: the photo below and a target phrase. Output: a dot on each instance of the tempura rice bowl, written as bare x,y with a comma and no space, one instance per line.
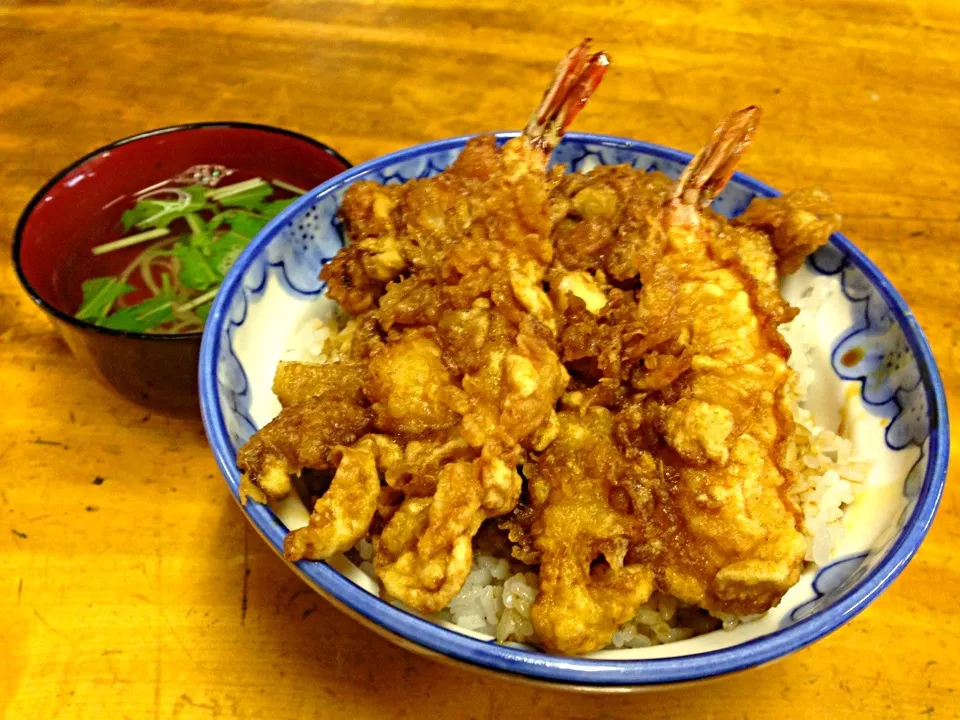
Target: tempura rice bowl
868,495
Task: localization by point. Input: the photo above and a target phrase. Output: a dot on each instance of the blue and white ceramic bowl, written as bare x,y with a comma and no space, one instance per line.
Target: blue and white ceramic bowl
872,360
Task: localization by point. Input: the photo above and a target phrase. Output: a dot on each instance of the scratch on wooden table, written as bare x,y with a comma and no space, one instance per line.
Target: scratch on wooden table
176,636
115,678
51,628
297,593
213,707
54,443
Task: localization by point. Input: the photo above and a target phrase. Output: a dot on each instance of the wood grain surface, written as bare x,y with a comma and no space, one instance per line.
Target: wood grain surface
131,585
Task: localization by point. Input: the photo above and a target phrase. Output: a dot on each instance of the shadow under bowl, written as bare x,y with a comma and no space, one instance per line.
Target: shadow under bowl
82,205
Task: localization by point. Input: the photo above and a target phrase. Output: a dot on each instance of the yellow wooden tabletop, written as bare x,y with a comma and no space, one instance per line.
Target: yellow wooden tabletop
147,595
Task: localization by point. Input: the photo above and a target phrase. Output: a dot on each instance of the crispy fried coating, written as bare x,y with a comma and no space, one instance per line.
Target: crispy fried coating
450,356
796,224
410,388
671,467
297,382
483,297
468,377
486,214
301,436
609,220
427,568
582,531
342,516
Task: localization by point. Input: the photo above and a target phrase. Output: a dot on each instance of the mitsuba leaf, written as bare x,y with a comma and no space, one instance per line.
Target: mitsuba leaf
203,310
99,294
244,223
159,212
250,199
200,239
139,212
271,209
195,271
222,253
217,220
144,316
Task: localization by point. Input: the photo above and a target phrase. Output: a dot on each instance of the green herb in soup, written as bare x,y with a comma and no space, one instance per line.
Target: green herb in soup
190,236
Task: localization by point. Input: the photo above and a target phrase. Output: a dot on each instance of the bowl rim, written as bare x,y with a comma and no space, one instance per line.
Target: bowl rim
554,669
37,198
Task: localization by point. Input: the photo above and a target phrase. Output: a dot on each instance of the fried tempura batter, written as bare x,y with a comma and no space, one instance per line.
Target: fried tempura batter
678,482
582,487
485,298
301,436
449,361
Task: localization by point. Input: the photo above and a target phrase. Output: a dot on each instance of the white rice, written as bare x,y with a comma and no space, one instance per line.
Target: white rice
827,484
319,341
496,599
829,474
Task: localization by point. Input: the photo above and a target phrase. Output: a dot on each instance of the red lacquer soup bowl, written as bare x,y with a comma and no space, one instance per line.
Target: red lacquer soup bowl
81,207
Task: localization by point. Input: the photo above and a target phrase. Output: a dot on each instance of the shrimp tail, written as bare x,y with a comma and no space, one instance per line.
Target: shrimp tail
577,77
711,169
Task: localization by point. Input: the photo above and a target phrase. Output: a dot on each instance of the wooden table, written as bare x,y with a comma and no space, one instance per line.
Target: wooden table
131,585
